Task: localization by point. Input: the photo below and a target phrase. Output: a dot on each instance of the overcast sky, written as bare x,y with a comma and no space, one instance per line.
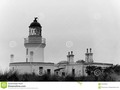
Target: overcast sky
66,24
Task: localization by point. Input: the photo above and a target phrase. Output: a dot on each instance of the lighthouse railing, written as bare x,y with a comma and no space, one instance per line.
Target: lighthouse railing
26,40
42,40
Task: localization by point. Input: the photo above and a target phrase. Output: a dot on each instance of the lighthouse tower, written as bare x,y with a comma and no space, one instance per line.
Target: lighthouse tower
34,43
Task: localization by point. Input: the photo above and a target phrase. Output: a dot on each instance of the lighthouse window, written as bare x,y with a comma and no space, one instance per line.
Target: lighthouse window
27,51
31,53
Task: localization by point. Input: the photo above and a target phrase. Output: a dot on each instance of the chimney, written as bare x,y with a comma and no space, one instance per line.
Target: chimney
68,57
89,56
11,58
87,50
90,50
71,61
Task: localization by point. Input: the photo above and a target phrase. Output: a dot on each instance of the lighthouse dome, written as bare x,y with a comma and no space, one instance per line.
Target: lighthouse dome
35,23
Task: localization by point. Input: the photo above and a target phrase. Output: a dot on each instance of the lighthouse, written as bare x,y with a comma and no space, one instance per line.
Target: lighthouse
35,43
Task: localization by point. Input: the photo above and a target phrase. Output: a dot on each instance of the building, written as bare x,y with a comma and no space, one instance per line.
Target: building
78,68
34,62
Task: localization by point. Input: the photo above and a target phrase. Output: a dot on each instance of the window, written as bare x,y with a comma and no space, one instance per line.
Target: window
31,56
48,71
57,73
73,72
31,53
27,51
63,74
13,68
40,67
40,70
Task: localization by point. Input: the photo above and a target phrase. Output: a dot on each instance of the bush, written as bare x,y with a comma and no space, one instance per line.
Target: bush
108,74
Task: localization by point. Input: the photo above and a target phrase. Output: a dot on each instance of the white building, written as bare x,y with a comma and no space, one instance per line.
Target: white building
78,68
34,63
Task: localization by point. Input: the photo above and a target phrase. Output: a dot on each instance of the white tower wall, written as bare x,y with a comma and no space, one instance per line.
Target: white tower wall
38,54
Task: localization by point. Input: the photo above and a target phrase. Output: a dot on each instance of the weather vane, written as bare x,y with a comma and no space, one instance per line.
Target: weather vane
36,18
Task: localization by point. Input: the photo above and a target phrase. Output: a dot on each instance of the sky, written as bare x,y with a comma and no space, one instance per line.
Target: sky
67,25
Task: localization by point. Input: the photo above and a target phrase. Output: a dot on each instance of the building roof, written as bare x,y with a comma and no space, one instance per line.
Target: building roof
24,63
63,62
94,63
99,63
